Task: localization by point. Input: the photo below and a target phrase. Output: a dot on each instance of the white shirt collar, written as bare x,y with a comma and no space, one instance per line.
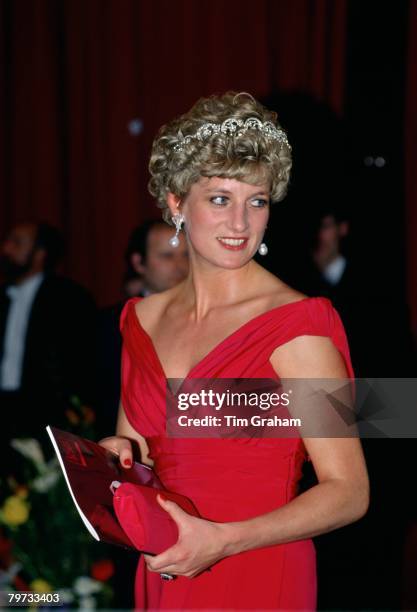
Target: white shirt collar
334,271
27,288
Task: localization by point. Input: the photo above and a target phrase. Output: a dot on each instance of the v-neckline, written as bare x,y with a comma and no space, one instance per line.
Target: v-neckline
237,331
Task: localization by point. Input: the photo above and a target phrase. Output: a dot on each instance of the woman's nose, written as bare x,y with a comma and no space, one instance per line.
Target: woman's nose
238,218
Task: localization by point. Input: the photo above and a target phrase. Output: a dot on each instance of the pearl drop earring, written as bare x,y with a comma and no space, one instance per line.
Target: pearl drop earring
178,220
263,249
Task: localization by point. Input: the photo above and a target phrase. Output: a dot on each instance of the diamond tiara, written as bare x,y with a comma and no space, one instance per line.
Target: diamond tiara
236,128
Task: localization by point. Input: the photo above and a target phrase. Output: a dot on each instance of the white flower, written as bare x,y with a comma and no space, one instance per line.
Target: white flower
87,603
31,449
7,576
45,482
85,586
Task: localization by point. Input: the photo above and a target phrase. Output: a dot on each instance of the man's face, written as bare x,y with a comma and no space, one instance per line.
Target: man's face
329,235
164,266
17,252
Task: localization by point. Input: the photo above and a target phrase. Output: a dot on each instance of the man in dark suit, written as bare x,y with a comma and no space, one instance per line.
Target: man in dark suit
47,326
370,304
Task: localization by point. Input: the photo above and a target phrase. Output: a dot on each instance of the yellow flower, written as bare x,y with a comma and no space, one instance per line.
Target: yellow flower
15,511
40,586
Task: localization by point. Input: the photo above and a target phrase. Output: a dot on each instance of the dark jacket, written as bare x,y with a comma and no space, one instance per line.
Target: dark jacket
59,349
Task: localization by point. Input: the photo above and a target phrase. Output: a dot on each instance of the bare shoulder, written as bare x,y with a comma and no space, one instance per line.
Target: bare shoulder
288,295
276,291
150,309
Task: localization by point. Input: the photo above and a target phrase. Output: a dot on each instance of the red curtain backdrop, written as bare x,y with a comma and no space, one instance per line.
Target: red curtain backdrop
74,74
411,163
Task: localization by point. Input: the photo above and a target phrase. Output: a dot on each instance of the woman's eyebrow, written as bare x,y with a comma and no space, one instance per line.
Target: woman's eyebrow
213,190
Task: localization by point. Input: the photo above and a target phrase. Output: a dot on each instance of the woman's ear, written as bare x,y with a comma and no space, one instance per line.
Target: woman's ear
173,202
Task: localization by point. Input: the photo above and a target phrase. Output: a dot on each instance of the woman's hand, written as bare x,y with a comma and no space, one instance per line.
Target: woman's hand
200,544
120,446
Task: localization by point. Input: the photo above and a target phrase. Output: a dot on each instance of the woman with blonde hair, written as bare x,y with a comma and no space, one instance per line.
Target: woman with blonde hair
215,172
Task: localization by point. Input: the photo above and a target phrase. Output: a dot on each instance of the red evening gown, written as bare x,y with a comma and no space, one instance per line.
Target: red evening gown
228,480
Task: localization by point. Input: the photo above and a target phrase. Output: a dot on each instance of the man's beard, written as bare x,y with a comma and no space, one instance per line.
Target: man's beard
13,271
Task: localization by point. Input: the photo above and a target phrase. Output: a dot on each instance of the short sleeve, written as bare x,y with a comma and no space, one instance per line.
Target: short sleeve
326,321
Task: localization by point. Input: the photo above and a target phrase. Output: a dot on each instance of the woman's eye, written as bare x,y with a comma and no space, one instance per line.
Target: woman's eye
259,202
219,200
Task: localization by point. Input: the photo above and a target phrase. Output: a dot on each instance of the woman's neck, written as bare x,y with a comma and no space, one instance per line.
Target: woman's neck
208,287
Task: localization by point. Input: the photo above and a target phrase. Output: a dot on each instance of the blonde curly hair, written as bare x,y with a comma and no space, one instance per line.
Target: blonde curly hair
252,157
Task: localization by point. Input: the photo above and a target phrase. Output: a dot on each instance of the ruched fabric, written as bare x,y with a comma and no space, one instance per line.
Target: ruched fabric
228,479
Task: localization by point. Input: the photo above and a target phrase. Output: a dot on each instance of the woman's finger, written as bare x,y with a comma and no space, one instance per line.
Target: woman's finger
173,509
121,447
168,557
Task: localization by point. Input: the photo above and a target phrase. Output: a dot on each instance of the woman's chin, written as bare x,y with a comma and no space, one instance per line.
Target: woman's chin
230,263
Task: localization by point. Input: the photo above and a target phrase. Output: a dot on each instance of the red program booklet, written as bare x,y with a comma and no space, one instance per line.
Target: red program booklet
107,496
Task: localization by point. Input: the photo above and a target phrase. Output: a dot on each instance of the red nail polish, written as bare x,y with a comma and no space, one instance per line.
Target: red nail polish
127,462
